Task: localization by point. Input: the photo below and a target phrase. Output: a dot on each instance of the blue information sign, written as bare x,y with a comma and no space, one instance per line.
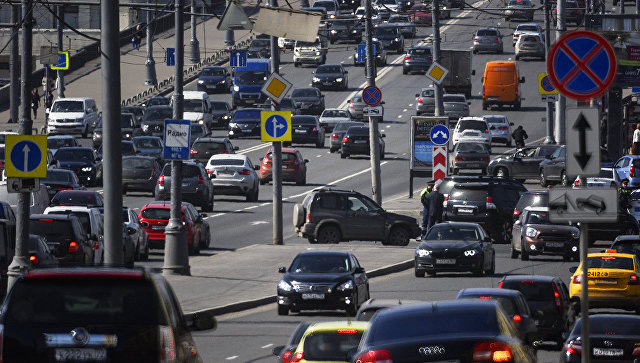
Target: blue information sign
171,56
439,134
238,58
177,134
26,156
276,126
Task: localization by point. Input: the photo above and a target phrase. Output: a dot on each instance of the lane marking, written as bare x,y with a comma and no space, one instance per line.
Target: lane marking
232,357
255,223
266,346
405,110
251,207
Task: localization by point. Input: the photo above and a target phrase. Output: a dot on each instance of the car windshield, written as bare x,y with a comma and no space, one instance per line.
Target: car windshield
454,98
83,217
344,126
156,213
318,264
329,69
507,302
163,113
386,31
127,121
315,43
495,119
52,230
335,113
472,125
137,163
476,194
138,111
147,143
532,28
330,346
538,218
611,262
188,170
487,33
251,77
287,103
627,246
448,232
226,162
328,5
303,120
304,92
212,72
197,131
155,101
60,142
260,43
529,38
75,198
428,93
127,148
54,175
253,115
420,52
610,326
219,106
68,106
74,155
532,290
193,105
471,147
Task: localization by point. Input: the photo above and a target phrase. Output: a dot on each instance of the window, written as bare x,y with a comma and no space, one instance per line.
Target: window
446,232
507,302
312,263
330,201
155,213
329,346
611,262
361,203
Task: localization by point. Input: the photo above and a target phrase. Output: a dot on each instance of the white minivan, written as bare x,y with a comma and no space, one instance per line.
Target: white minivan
197,108
72,116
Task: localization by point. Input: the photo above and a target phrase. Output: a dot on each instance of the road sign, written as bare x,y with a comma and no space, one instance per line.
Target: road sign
234,18
176,139
548,98
48,55
439,169
545,87
371,95
437,72
421,143
276,87
171,57
63,61
439,134
581,65
583,205
26,156
275,125
23,185
372,111
361,56
583,142
238,58
635,89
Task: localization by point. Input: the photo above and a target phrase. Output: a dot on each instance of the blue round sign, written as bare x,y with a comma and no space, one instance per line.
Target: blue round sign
372,95
439,134
26,156
276,126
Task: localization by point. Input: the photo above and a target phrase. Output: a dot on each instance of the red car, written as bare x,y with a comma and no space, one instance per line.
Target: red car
420,14
294,167
154,217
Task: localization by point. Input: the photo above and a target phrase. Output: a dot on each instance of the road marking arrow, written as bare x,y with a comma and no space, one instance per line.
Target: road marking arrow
26,150
582,156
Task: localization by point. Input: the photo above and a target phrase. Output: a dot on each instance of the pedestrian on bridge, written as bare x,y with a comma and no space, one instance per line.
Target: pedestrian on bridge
35,102
519,135
635,147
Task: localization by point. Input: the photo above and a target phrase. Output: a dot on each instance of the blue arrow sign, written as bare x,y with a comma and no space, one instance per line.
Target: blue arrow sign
26,156
275,126
439,134
171,56
362,52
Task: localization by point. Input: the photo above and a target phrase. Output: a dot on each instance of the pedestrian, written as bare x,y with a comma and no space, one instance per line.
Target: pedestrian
519,135
435,201
635,149
137,37
48,102
624,197
425,206
35,102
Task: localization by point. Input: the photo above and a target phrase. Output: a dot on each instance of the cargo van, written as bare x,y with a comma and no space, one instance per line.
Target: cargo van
197,108
501,85
248,82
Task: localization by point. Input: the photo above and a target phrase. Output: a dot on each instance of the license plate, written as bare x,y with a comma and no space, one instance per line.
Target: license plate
80,354
474,165
157,228
246,131
360,141
608,352
446,261
301,131
605,282
328,83
554,244
465,211
251,101
312,296
492,98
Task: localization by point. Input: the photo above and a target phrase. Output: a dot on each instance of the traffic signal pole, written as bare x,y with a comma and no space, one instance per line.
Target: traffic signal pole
561,104
435,22
276,150
374,147
547,44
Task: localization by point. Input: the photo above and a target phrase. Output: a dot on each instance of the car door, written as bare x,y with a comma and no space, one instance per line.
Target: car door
520,161
364,219
620,167
516,231
360,279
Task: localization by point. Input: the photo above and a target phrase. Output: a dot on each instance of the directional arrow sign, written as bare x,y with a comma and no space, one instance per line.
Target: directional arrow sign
583,142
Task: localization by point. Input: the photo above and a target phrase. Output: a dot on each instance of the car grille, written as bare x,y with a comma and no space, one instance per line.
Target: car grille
553,237
66,120
250,96
446,253
307,54
312,288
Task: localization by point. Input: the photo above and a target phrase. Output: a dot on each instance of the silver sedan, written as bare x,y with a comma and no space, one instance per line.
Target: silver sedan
233,174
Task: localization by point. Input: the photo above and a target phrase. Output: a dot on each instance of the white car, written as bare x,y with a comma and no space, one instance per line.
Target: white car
526,28
472,129
500,128
331,116
72,116
234,174
359,13
285,43
92,222
606,179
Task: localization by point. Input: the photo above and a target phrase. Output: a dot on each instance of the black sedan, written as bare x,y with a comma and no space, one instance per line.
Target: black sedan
330,76
83,161
356,142
40,255
245,122
612,337
455,246
306,130
87,198
310,101
153,120
139,173
443,331
60,179
320,280
390,36
221,112
214,79
346,30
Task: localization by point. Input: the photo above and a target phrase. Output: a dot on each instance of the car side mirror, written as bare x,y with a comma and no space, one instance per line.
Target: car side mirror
277,350
282,269
306,161
511,123
203,215
346,72
522,79
53,161
256,167
488,239
358,270
573,269
131,230
473,72
145,224
202,321
517,222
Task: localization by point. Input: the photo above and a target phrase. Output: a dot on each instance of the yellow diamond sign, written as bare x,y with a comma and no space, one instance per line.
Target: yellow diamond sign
437,72
276,87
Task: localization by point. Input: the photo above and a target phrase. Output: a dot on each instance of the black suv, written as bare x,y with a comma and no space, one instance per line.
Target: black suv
548,299
65,237
204,147
489,203
99,314
331,216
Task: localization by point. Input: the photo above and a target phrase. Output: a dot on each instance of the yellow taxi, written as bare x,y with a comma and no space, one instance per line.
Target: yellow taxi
614,281
329,342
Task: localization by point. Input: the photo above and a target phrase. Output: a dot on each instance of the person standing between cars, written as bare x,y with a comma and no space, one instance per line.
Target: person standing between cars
435,199
35,102
624,197
519,135
635,148
48,102
137,37
425,206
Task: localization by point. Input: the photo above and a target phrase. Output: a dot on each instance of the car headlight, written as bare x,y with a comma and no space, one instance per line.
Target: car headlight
226,117
316,79
87,168
470,253
354,31
332,16
575,234
346,286
531,232
284,286
333,31
97,136
223,81
296,53
200,122
232,124
397,39
200,81
127,135
374,39
339,79
317,52
236,88
422,252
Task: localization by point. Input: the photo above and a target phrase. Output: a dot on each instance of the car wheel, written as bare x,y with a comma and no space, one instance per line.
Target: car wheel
418,273
343,155
543,179
517,57
328,234
399,236
137,256
263,181
283,310
484,105
474,51
517,106
501,172
352,309
514,253
295,64
506,231
563,179
302,181
85,132
145,256
524,255
191,250
404,71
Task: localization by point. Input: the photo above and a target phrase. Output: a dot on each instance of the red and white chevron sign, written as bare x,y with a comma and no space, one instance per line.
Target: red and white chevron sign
439,168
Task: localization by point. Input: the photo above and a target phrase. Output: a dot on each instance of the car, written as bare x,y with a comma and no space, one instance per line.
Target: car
54,142
83,161
626,244
455,246
331,6
234,174
403,22
72,116
60,179
329,341
314,53
515,306
156,101
500,128
455,106
610,335
487,40
531,198
196,186
154,216
332,116
322,280
455,330
197,131
385,5
356,141
426,101
526,28
625,168
153,120
345,29
553,169
420,14
128,127
87,198
139,173
533,234
519,9
120,306
530,46
306,129
379,53
329,216
330,76
370,307
245,122
335,140
284,353
128,149
40,255
403,6
390,36
355,107
137,233
286,43
137,111
489,203
260,46
606,179
294,167
65,237
221,114
310,101
204,147
501,85
550,296
469,155
215,79
417,59
573,13
151,146
286,104
472,128
524,163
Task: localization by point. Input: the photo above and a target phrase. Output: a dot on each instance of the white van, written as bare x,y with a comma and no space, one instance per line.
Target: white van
72,116
197,108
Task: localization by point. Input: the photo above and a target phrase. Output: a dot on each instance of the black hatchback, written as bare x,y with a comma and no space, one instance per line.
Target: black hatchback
306,129
330,76
356,142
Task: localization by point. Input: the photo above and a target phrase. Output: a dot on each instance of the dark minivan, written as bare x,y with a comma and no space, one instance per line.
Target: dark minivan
65,237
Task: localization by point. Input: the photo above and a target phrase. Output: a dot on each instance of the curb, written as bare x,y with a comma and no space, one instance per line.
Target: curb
254,303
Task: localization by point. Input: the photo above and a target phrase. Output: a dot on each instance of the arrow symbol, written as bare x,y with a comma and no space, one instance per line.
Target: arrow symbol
582,157
439,134
26,150
280,126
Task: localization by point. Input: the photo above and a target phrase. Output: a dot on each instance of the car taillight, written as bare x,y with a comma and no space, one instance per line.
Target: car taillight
161,180
73,246
490,204
350,104
34,260
635,353
633,280
376,356
297,357
503,128
632,172
430,58
334,136
497,40
475,39
459,158
286,357
65,188
500,284
346,139
517,319
491,352
167,345
484,158
577,279
419,99
315,129
245,172
210,171
486,131
573,348
516,35
96,246
308,217
200,180
406,57
193,151
516,213
576,183
483,92
556,296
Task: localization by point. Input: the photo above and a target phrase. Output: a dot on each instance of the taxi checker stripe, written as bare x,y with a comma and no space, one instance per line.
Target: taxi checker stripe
581,65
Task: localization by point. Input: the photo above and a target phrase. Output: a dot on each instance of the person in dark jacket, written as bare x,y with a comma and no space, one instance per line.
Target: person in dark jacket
425,206
435,199
519,135
624,197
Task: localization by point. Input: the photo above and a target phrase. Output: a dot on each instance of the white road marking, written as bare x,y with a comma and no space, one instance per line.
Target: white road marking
263,204
399,116
405,110
266,346
255,223
388,127
411,105
319,156
252,207
232,357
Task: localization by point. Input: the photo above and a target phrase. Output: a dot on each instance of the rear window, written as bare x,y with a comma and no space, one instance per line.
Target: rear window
471,147
83,302
472,125
533,200
477,194
343,126
532,290
454,98
52,230
495,119
303,121
83,217
58,143
155,213
420,51
487,33
621,326
502,75
612,262
635,163
358,131
231,162
219,106
527,28
75,198
507,303
188,171
209,146
137,164
285,156
428,93
330,346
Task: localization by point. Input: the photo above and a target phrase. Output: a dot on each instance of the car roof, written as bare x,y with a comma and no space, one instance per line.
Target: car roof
536,278
138,157
324,253
85,272
330,326
460,224
211,139
73,99
537,209
489,291
229,156
59,217
68,208
77,148
444,305
614,254
625,238
77,192
285,150
528,24
384,303
53,136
